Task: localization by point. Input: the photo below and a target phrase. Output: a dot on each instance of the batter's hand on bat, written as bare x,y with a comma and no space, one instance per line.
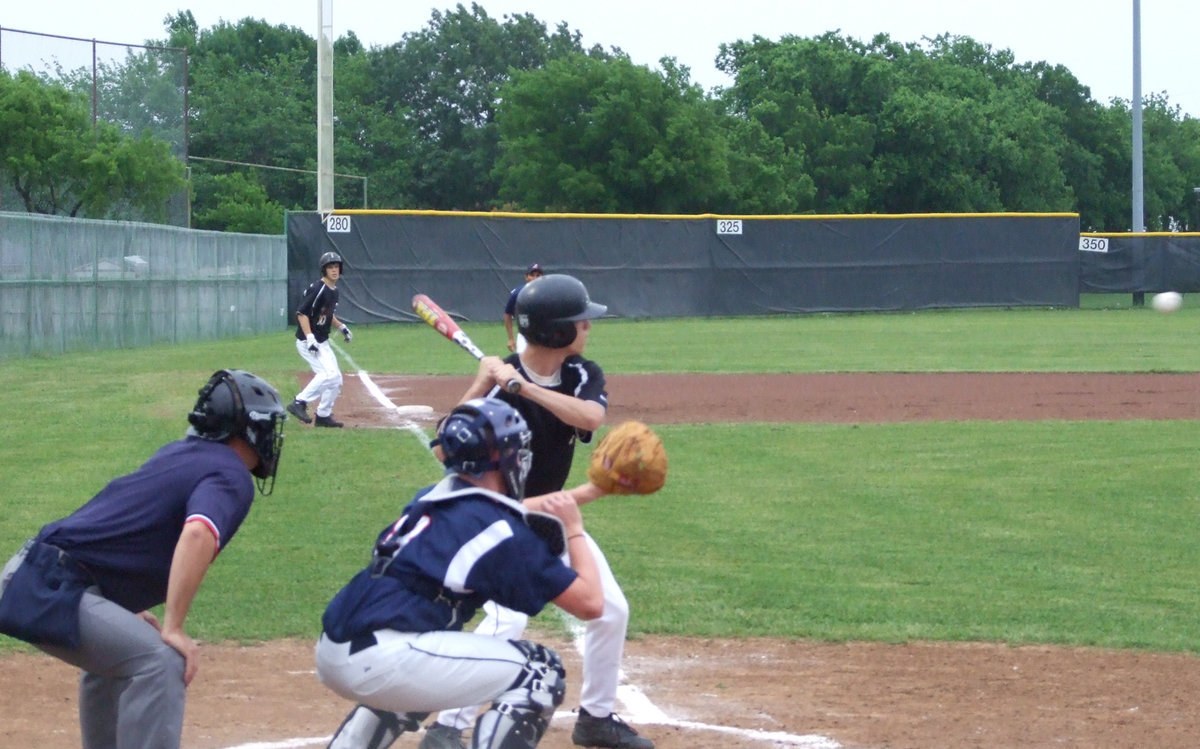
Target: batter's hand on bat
493,371
507,377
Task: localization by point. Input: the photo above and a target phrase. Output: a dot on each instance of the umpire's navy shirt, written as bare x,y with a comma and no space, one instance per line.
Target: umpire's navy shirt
125,536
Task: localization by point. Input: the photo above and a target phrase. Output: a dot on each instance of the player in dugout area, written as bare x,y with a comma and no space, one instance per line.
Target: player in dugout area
81,588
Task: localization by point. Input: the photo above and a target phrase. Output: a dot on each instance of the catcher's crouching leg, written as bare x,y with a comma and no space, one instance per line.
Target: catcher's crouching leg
519,717
367,728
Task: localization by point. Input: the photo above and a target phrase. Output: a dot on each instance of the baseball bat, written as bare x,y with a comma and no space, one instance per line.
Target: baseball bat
429,311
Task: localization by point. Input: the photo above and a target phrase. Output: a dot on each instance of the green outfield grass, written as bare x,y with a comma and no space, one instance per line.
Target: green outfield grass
984,340
1052,532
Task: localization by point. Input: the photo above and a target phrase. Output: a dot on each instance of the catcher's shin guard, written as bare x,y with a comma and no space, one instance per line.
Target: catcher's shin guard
367,728
519,717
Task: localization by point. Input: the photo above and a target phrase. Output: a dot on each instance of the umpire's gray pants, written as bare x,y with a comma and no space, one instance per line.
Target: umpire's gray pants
131,693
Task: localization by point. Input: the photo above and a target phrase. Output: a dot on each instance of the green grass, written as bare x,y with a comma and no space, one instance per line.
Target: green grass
1054,532
1023,532
979,340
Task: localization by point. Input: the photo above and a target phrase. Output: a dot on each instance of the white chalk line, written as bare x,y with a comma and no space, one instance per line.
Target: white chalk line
638,707
382,399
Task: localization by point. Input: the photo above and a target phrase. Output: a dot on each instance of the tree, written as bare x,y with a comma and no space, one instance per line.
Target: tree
586,134
764,176
817,101
235,202
369,139
143,94
59,162
444,82
1171,160
950,126
1092,152
253,100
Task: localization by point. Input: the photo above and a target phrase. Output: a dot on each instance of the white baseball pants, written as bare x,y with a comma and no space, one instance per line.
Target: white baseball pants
326,384
420,672
603,646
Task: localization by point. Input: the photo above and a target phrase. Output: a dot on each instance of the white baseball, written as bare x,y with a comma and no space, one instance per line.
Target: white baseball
1168,301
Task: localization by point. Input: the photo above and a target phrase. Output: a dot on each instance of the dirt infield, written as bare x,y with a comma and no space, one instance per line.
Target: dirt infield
843,398
717,693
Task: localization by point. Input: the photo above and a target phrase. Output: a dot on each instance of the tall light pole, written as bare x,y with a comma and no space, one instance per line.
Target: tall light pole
325,108
1138,223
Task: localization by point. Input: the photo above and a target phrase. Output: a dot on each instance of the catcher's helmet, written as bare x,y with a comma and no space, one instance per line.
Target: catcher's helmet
330,258
474,430
548,308
236,403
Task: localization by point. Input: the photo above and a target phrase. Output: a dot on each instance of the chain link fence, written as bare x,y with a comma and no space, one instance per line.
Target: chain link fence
141,89
78,284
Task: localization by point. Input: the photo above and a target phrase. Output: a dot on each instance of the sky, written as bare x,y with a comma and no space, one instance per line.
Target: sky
1092,38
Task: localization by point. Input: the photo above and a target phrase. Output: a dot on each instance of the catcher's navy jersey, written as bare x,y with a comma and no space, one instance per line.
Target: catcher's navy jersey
553,444
125,536
319,303
455,547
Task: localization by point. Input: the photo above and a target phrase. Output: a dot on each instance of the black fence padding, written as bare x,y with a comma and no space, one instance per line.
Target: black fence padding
676,266
1141,263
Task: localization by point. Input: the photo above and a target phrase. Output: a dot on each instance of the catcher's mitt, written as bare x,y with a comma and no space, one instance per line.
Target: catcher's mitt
629,460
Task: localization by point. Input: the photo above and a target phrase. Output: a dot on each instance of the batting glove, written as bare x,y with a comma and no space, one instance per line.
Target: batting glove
311,340
347,334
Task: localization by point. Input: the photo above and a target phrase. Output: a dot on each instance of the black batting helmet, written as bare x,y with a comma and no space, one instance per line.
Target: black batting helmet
548,308
236,403
329,258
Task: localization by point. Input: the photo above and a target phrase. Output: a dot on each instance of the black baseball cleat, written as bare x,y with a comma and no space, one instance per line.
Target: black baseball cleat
299,409
610,732
328,421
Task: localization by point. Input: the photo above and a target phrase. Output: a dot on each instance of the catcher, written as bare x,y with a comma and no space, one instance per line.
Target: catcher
392,636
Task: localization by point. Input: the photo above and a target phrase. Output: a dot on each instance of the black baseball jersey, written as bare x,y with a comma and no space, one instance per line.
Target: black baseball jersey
320,301
553,444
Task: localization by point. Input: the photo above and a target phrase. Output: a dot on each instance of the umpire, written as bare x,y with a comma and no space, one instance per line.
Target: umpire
80,590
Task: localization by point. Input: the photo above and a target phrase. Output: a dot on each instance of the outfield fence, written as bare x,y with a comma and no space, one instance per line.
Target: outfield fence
647,266
78,284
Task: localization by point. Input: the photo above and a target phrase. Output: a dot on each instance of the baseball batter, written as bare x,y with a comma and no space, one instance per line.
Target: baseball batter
563,398
80,590
314,319
392,638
